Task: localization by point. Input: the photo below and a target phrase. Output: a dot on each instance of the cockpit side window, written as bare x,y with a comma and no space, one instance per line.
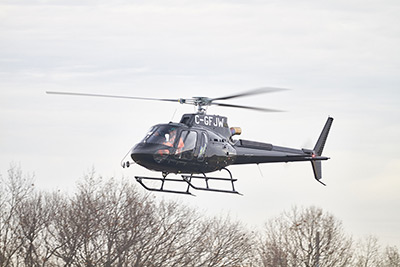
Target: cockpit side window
186,145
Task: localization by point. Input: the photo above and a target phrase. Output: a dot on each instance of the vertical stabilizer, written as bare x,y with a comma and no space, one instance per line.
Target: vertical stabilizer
319,146
316,166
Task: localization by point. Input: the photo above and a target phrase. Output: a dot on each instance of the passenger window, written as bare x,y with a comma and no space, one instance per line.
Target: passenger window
215,138
186,145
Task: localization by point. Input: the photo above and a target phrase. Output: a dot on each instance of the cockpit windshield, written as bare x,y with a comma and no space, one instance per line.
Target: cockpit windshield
165,135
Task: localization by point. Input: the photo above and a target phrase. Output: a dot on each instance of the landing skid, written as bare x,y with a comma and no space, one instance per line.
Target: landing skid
190,184
140,179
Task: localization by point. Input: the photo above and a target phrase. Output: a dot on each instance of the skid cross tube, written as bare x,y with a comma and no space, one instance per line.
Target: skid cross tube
188,179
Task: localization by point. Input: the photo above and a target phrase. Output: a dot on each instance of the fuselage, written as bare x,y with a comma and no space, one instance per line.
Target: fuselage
177,148
194,148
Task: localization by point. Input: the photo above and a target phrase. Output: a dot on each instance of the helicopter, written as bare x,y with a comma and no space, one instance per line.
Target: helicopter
200,144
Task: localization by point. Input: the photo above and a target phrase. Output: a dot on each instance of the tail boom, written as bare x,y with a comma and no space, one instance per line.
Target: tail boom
251,152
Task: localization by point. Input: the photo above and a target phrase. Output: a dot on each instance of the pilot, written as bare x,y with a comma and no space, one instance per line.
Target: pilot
170,138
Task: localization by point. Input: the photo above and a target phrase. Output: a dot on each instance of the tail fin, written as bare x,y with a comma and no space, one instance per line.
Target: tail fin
319,147
316,166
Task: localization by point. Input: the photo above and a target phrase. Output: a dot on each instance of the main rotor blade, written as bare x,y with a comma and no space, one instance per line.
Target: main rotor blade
257,91
248,107
113,96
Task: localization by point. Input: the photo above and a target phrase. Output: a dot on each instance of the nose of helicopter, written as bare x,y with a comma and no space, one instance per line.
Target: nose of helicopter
140,153
148,155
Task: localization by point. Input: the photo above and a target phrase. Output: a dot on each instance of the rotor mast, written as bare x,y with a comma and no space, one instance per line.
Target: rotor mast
201,103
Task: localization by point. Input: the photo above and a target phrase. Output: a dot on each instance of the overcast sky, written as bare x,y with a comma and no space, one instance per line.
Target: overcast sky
340,58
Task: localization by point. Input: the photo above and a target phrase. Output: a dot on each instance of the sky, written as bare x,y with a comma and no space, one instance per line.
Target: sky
339,58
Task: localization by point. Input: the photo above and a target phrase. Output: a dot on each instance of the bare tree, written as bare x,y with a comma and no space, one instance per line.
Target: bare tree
226,243
368,253
164,239
63,230
180,236
33,217
391,257
16,188
125,215
100,224
307,237
109,223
